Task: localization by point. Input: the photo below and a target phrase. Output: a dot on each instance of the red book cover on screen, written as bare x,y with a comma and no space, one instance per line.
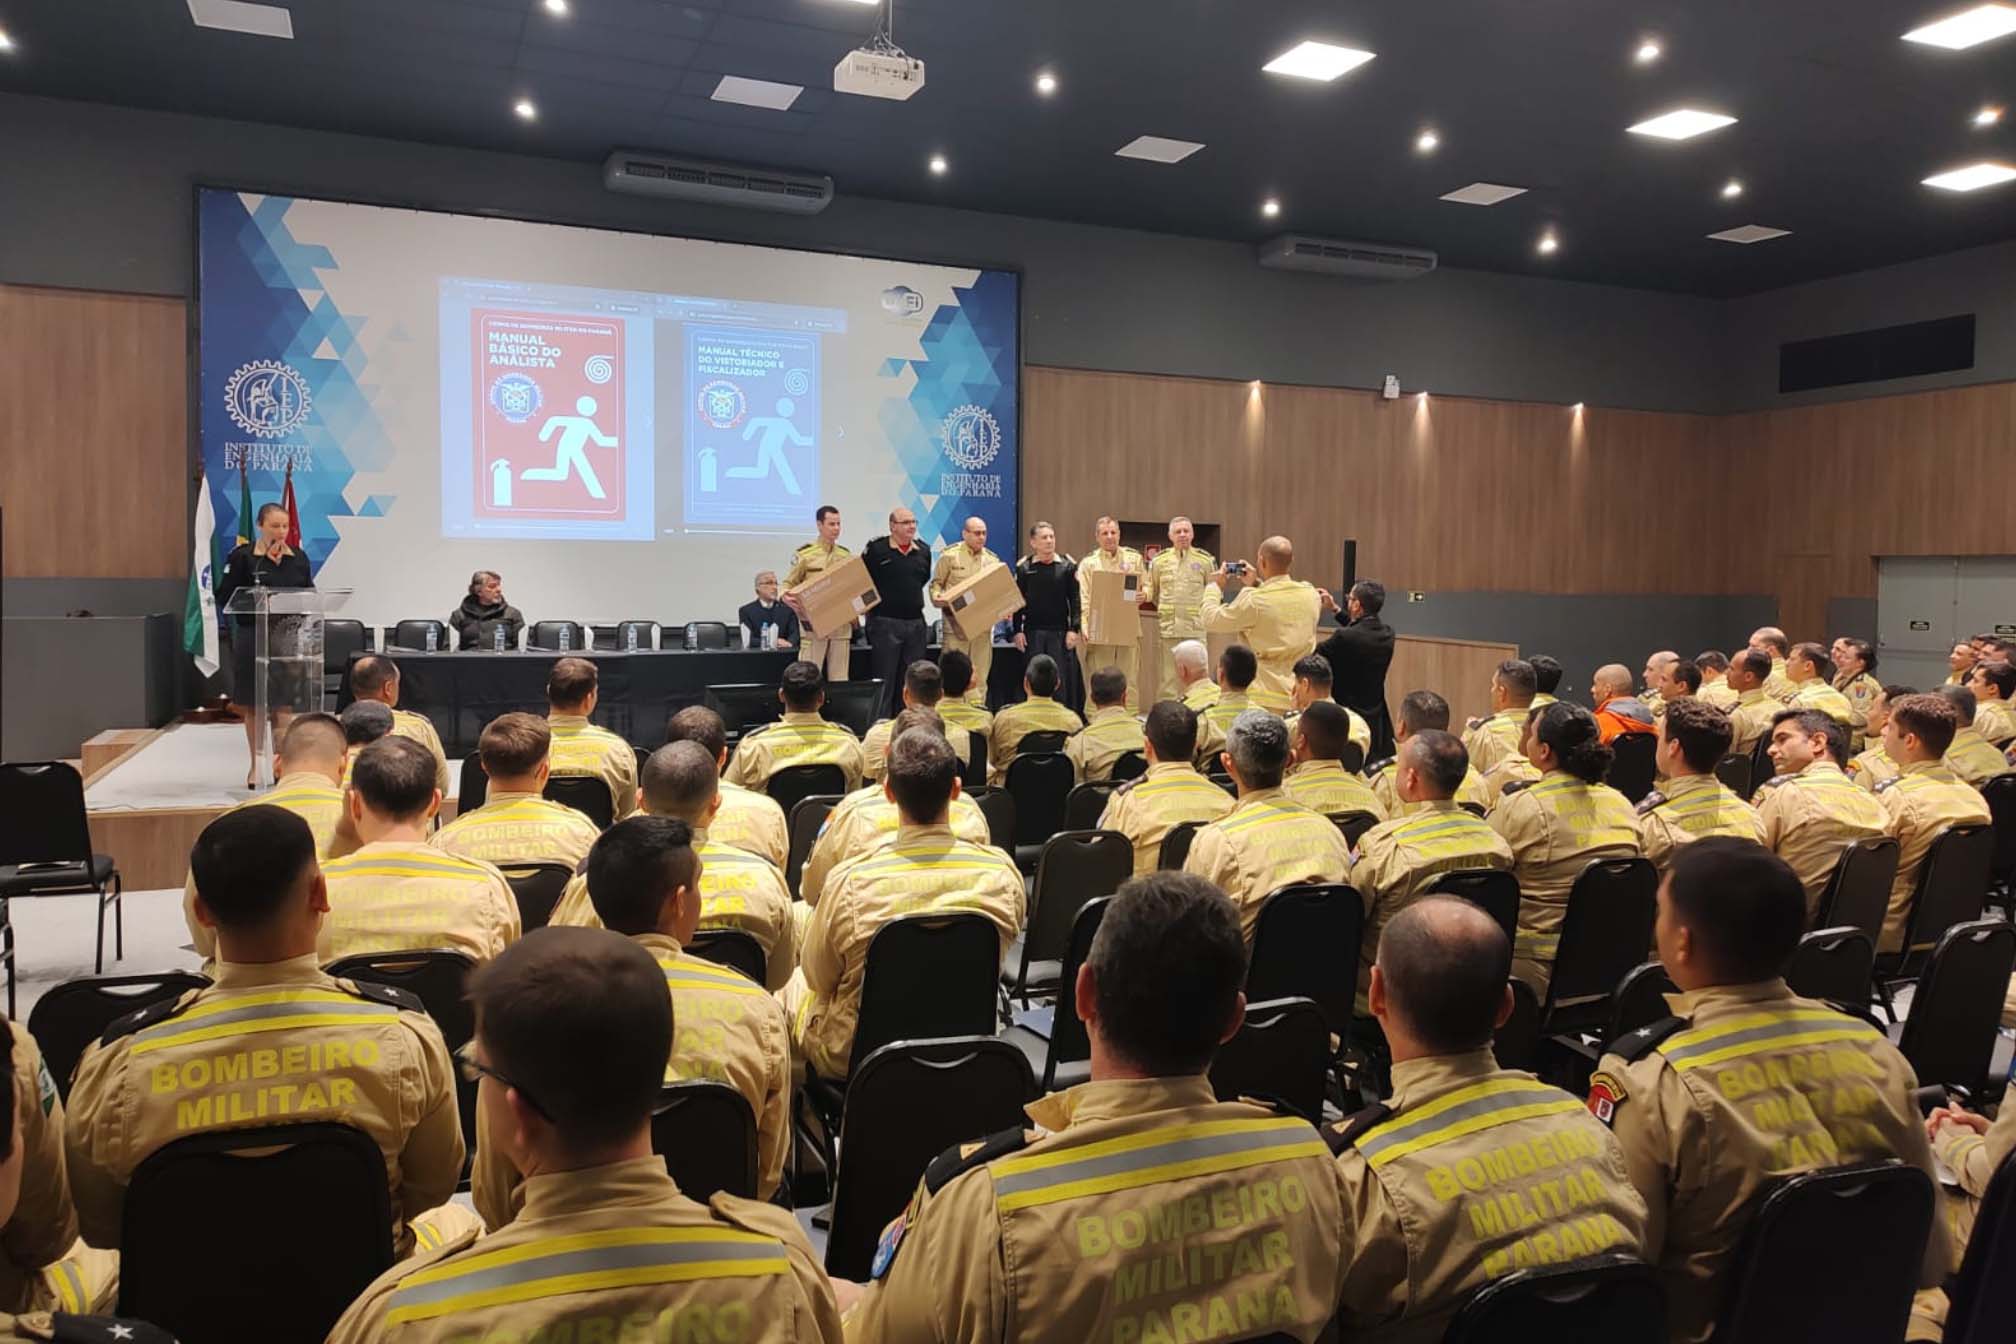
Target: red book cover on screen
548,416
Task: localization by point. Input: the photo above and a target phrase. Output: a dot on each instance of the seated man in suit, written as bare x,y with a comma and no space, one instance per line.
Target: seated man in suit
767,613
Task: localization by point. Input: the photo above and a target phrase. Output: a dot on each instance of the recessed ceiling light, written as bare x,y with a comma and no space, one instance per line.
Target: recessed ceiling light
1484,193
1270,207
556,7
1683,123
1988,116
526,109
1968,28
1427,142
1155,149
239,16
756,93
1731,189
867,2
6,42
1317,60
1749,233
939,165
1972,178
1046,83
1648,51
1549,244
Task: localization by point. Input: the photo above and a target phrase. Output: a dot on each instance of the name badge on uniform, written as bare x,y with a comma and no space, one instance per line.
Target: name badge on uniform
892,1237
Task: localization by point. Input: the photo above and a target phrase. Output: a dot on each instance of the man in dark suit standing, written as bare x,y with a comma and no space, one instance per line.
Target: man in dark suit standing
1359,653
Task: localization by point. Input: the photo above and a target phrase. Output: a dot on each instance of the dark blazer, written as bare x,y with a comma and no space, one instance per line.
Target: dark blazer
244,567
753,618
1359,654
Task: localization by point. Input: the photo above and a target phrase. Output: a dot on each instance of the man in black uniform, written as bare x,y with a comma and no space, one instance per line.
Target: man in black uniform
900,566
1048,620
1359,654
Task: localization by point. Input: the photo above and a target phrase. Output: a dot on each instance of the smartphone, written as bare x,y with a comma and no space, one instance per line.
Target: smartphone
1236,567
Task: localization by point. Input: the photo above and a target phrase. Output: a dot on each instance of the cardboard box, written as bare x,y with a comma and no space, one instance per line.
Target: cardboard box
1113,607
833,599
974,606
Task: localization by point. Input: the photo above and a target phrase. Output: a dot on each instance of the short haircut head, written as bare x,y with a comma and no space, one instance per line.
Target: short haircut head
1167,965
249,861
1712,660
697,723
1422,710
1314,668
1238,666
1999,674
1172,730
1929,718
1546,673
395,777
1815,654
1109,687
313,738
1703,732
1041,674
570,683
1751,661
513,745
924,682
916,718
824,512
1963,702
372,673
802,685
1517,677
1370,595
1257,742
679,780
1190,653
1326,728
921,771
580,1021
1743,905
1862,649
955,673
635,867
1687,675
1441,757
1772,638
1445,964
365,721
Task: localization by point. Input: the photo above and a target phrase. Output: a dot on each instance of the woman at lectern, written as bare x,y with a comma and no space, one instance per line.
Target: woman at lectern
267,561
476,621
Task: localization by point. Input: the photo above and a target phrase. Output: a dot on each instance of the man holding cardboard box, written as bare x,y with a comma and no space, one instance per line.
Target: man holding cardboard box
899,566
809,562
1110,607
956,565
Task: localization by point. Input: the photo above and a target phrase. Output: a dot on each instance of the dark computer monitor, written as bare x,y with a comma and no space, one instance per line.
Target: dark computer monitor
744,705
853,703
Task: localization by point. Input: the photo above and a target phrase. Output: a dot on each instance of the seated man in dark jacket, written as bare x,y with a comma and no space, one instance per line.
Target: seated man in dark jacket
474,621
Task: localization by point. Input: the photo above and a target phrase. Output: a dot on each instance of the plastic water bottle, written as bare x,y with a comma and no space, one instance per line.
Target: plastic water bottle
770,635
433,639
566,638
630,637
497,637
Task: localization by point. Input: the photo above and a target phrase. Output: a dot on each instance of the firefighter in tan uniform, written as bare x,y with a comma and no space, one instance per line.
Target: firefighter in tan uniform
747,819
604,1246
1770,641
1175,586
1398,860
1854,660
1038,1234
800,737
961,713
738,890
1750,720
925,869
1419,712
1313,682
1746,1083
1276,619
1922,803
376,677
1808,669
580,747
1973,1148
397,893
1715,687
957,564
1109,733
1874,765
1436,1207
923,684
43,1265
1971,756
273,1041
1993,682
1237,666
1110,557
1145,810
1316,776
1811,811
517,824
1556,826
1690,803
1267,840
808,562
1195,688
1490,741
1039,713
1661,688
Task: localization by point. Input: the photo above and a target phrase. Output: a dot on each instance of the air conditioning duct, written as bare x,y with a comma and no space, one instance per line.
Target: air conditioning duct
705,183
1329,256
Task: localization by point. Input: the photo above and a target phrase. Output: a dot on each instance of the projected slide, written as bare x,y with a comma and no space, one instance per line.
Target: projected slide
622,425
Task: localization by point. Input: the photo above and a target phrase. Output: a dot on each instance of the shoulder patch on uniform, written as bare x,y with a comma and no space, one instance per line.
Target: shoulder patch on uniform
1777,781
1883,785
1513,786
1346,1133
962,1158
386,994
140,1018
1650,801
65,1328
1606,1094
1633,1046
1378,766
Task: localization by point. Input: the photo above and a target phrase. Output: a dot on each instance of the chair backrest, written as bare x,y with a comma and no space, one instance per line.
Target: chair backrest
977,1086
1129,765
1640,999
1952,885
1223,781
1495,889
1041,742
1983,1294
66,1019
1999,793
586,794
1883,1210
1074,867
1353,825
736,948
435,976
473,790
1857,894
1734,772
998,806
706,1132
1086,803
1762,767
198,1194
706,634
928,976
973,765
806,819
1176,845
1950,1035
553,635
613,638
537,887
795,783
1040,784
43,802
413,635
1352,758
1833,964
1611,1297
1068,1041
1634,765
1606,930
1516,1043
1305,943
1282,1053
342,638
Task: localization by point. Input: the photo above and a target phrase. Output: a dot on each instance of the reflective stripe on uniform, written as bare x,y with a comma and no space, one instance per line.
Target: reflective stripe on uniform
1176,1152
591,1261
252,1013
67,1283
719,979
1177,784
963,856
1755,1033
1262,814
1440,834
406,866
1485,1105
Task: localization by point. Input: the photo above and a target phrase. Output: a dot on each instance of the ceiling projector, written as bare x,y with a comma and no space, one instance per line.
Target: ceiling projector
879,71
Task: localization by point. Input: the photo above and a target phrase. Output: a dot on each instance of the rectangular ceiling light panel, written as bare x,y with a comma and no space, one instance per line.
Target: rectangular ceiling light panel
239,16
1484,193
1155,149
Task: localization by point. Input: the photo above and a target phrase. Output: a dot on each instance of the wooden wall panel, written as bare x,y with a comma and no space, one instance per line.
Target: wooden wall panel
1459,670
93,435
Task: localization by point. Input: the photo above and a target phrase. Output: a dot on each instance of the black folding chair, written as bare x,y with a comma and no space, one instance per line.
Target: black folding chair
1762,767
538,887
556,636
474,789
795,783
1053,1039
973,768
342,640
1857,894
412,636
1604,1300
214,1190
1039,784
1474,809
1176,845
1041,742
977,1086
998,806
1073,868
1352,758
1952,889
1982,1296
706,1132
1634,765
1281,1053
1223,781
1950,1035
438,978
1999,793
1606,930
1086,803
807,818
1494,889
1639,1000
45,850
705,634
1883,1210
1734,772
616,638
1305,944
586,794
1131,765
1516,1043
734,948
66,1019
1353,825
1835,965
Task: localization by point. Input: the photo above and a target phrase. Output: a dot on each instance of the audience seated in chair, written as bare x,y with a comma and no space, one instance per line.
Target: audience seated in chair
1419,712
1873,765
1110,730
1313,684
1194,685
1318,739
580,747
1237,667
1690,803
800,737
747,819
516,824
1145,810
923,685
1618,711
44,1266
1972,756
1923,800
1501,734
376,677
961,707
1040,713
1810,809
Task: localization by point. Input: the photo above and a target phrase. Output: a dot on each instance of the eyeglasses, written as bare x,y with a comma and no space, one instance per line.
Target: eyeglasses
474,1069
